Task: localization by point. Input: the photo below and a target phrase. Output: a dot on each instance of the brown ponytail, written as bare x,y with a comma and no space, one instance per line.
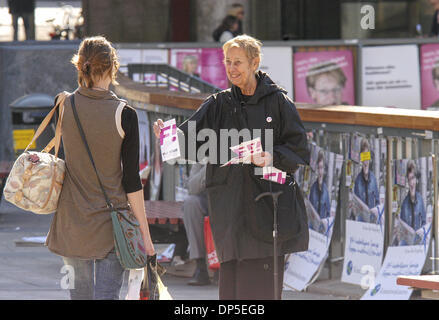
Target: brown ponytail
96,58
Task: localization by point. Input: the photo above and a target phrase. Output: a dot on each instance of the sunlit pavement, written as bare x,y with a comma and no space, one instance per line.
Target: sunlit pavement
34,273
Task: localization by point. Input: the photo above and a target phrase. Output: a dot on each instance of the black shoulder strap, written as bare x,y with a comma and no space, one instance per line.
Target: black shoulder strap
81,131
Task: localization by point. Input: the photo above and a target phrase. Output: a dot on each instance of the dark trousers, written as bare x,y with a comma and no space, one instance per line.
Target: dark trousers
249,279
28,23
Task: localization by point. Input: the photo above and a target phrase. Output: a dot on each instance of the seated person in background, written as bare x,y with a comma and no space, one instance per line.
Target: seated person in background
194,211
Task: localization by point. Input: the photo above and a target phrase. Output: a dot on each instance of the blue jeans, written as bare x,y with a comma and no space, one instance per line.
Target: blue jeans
99,279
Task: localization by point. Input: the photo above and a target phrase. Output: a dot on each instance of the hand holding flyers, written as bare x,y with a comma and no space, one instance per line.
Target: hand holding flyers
245,152
248,148
273,174
252,152
167,134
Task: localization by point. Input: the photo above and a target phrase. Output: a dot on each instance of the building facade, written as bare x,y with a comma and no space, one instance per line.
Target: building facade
195,20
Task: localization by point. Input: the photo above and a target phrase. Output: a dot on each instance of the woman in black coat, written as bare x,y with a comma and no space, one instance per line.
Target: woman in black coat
257,105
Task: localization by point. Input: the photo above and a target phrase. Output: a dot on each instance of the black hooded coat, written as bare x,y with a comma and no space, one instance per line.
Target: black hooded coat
232,189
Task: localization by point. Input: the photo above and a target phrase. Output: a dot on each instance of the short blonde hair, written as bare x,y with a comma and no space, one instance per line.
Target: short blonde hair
250,45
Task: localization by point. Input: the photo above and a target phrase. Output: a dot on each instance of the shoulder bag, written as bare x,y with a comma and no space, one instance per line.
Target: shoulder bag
36,178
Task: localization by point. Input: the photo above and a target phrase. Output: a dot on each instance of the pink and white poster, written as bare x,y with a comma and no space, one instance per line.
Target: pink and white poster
324,78
205,63
390,76
430,76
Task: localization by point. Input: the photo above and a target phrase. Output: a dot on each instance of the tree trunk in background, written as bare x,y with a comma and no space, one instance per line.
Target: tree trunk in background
128,21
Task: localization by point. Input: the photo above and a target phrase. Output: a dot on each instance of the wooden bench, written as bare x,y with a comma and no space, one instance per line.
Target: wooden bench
165,219
162,212
429,284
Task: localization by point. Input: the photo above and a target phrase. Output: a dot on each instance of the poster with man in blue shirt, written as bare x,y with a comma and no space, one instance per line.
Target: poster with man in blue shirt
366,187
319,196
409,228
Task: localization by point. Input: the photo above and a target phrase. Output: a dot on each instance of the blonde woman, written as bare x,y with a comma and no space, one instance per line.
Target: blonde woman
253,102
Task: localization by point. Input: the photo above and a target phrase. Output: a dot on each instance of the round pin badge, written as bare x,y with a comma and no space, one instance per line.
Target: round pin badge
269,119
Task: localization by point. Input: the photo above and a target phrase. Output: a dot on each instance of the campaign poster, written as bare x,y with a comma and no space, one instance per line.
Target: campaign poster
144,56
365,225
320,184
413,200
399,261
128,56
411,233
156,164
390,77
301,267
277,62
181,179
430,76
324,78
205,63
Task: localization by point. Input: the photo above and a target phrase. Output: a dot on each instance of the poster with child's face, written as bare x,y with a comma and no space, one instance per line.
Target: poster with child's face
324,78
430,76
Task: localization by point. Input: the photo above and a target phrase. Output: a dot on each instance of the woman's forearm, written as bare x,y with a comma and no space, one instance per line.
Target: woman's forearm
137,204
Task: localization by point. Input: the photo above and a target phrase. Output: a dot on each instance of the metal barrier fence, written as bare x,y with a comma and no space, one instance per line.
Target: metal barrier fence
165,76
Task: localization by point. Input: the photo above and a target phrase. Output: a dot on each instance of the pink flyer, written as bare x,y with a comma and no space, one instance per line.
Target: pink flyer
324,78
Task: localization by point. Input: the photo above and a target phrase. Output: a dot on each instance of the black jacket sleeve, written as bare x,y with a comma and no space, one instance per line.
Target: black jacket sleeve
291,149
203,118
130,151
